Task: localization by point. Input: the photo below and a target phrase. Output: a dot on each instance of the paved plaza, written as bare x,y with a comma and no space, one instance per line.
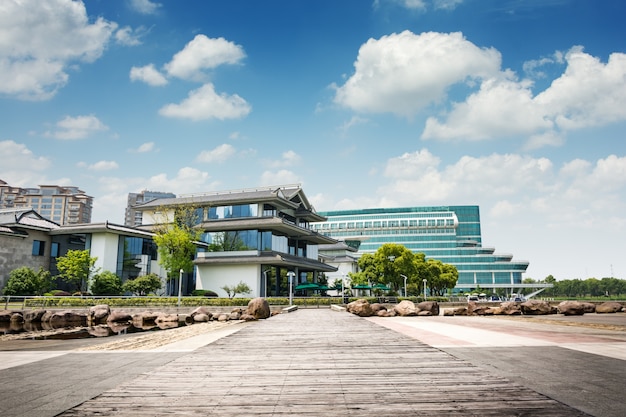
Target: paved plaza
316,362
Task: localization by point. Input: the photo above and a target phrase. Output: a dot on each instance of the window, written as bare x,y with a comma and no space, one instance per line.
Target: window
54,250
39,247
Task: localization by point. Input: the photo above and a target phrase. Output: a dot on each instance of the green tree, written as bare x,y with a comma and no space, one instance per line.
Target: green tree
176,239
143,285
241,288
76,267
106,283
25,281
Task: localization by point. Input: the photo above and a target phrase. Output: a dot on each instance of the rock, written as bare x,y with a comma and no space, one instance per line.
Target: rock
511,308
201,311
119,317
247,317
431,306
167,318
222,317
360,307
5,315
17,318
405,308
475,309
235,315
376,307
99,313
100,331
382,313
145,319
34,316
259,308
424,313
588,307
571,308
448,312
536,307
201,318
609,307
494,311
67,318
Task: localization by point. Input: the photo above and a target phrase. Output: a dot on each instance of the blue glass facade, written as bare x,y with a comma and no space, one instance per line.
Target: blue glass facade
450,234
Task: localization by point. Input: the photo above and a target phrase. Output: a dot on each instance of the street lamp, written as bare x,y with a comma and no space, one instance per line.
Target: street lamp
424,281
405,278
343,291
291,274
180,285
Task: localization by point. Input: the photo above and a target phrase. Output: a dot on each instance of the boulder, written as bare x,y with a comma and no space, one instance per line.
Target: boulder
609,307
222,317
17,318
235,315
119,317
424,313
493,311
588,307
259,308
431,306
167,318
201,318
511,308
201,311
99,313
405,308
34,316
5,315
571,308
376,307
475,309
145,319
360,307
247,317
448,311
536,307
67,318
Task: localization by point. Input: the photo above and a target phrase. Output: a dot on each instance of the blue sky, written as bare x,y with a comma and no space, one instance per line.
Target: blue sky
516,106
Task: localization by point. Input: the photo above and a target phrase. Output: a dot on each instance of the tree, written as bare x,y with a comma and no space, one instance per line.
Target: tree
176,241
76,267
241,288
106,283
25,281
143,285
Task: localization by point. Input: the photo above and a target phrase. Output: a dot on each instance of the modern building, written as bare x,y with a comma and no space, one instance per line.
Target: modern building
134,217
451,234
28,239
261,237
60,204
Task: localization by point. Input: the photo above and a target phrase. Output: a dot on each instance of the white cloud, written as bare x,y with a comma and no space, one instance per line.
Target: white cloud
204,103
20,167
148,74
589,93
99,166
203,53
280,177
219,154
79,127
128,36
145,6
354,121
144,148
40,40
446,4
403,73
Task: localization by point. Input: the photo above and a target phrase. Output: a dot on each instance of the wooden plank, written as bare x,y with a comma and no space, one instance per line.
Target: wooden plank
318,362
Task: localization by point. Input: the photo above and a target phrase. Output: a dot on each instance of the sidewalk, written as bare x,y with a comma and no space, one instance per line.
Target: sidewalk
313,362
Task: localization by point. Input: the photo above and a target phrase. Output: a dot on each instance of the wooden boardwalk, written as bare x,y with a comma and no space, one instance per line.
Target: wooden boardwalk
319,363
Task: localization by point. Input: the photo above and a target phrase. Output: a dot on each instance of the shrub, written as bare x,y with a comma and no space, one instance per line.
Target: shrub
106,283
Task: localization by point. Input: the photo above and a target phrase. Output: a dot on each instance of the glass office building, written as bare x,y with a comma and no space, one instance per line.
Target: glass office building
450,234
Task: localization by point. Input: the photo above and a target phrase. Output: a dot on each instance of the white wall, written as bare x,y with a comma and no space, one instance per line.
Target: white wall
214,277
104,246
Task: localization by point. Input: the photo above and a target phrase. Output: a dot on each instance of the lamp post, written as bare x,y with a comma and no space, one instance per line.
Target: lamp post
291,274
424,281
405,278
180,285
343,278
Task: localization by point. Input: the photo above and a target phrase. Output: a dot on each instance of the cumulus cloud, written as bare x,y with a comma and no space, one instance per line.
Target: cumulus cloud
20,166
402,73
148,74
99,166
589,93
128,36
79,127
40,40
279,177
144,148
203,53
144,6
204,103
219,154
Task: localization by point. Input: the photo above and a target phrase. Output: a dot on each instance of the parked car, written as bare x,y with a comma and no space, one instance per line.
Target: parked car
494,298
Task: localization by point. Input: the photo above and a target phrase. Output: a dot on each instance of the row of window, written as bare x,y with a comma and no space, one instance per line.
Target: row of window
39,248
385,224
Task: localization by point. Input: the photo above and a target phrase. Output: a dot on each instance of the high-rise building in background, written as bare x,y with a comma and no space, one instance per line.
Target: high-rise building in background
60,204
134,217
450,234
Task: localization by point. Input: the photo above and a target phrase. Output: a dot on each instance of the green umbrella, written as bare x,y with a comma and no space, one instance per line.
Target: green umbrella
381,287
307,286
361,287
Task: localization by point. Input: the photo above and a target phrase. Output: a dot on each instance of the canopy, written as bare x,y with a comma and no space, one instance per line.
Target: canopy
361,287
308,286
381,287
